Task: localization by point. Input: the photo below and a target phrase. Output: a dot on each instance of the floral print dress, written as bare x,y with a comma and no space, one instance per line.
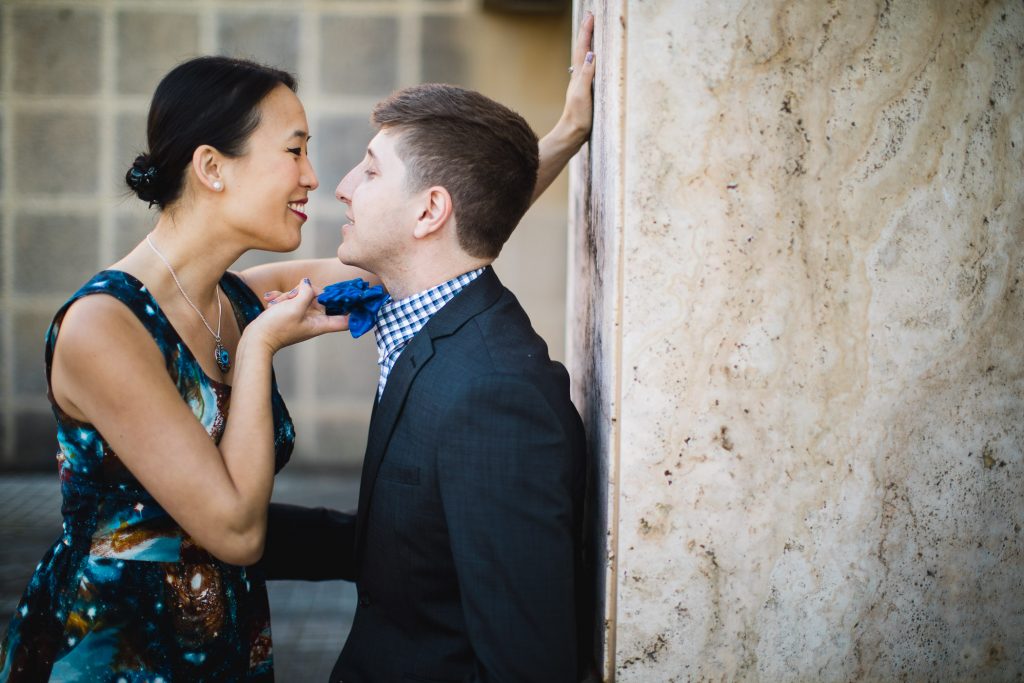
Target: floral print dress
125,595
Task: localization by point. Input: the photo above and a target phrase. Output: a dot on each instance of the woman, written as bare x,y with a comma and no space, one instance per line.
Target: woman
165,498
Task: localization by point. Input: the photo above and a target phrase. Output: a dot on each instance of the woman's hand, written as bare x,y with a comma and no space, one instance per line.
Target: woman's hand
573,128
294,316
578,113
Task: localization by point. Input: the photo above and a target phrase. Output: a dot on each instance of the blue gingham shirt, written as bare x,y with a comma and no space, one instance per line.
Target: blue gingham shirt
399,321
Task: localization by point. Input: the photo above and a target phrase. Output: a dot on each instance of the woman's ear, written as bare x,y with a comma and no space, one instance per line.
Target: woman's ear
435,212
207,164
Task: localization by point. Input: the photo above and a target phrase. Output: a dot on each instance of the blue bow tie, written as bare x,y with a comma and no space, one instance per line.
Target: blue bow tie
356,299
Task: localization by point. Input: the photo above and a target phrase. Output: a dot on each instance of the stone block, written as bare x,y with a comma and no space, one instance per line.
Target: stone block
341,441
55,152
5,350
346,368
130,134
3,148
132,226
286,370
359,55
271,39
327,235
149,44
56,50
339,144
35,442
29,343
532,262
444,55
56,253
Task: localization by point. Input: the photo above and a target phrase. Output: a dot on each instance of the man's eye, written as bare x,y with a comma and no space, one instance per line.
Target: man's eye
297,151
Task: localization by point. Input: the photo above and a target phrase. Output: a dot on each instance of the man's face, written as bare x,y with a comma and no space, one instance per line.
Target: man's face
381,211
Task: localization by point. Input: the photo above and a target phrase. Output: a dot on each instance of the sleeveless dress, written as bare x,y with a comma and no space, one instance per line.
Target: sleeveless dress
125,595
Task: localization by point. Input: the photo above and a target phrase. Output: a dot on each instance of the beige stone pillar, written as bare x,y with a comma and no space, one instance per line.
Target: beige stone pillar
797,338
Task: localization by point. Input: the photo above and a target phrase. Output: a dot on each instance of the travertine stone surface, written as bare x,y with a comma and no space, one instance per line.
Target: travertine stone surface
799,338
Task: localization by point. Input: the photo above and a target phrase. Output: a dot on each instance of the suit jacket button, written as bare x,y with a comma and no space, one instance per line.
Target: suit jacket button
364,600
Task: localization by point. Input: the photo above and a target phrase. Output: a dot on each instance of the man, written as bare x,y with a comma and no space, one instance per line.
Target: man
466,547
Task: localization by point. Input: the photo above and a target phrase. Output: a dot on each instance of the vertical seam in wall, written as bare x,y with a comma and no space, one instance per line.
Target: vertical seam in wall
410,20
7,238
208,25
617,322
107,115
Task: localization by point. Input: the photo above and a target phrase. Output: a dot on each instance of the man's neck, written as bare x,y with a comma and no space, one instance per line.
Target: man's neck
403,283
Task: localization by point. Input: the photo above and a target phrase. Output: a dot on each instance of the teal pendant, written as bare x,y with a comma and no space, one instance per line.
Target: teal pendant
223,358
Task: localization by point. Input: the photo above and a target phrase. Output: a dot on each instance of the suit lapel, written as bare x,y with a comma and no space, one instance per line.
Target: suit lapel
477,296
385,415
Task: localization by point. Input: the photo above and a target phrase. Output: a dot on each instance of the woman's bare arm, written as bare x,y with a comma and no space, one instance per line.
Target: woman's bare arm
573,128
108,369
555,149
281,276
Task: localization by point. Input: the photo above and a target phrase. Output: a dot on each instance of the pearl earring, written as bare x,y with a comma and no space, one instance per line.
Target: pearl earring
218,185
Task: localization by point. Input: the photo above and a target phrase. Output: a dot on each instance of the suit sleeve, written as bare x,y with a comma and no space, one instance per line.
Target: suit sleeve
506,482
308,544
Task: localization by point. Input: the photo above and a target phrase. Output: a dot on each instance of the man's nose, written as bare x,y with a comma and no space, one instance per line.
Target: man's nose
344,190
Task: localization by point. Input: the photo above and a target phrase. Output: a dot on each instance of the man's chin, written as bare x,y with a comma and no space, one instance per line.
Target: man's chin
349,259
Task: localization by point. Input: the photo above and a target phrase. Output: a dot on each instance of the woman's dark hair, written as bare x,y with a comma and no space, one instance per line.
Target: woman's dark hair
204,101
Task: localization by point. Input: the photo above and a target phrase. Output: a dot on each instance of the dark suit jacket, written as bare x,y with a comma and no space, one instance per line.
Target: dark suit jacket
466,548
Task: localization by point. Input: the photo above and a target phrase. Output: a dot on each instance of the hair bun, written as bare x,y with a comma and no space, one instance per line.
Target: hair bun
142,178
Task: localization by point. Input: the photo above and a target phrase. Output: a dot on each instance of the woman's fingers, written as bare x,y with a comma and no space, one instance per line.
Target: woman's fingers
295,316
583,77
301,315
276,297
271,298
315,318
579,99
584,41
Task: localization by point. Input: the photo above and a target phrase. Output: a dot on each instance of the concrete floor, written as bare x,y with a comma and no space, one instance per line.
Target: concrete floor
309,620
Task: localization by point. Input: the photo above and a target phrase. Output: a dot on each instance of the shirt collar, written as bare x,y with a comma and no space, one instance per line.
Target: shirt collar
399,321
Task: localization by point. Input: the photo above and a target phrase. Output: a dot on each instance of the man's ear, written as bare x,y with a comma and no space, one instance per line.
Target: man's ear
207,164
434,213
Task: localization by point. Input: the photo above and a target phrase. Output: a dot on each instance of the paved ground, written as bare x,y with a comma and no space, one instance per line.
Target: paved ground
310,620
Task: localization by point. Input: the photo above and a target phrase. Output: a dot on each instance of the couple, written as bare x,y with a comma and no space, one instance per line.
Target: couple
466,545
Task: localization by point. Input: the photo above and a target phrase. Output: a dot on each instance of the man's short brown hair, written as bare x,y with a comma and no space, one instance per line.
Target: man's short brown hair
482,152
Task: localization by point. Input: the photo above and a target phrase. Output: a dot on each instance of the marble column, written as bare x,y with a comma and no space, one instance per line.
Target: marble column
797,338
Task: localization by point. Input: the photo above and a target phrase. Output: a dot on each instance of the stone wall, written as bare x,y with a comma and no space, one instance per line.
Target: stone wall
798,341
75,81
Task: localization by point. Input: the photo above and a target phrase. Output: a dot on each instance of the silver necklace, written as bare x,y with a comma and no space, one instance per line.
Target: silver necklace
220,354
